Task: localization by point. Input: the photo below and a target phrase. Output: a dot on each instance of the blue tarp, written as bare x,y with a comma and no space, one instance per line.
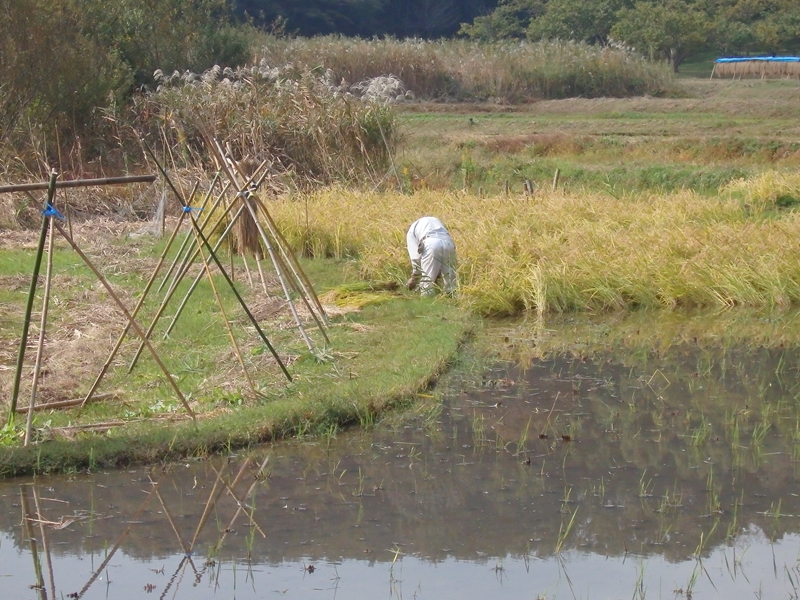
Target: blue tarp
760,58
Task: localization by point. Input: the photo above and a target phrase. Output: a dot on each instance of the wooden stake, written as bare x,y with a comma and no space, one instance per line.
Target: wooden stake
135,312
555,179
37,369
26,322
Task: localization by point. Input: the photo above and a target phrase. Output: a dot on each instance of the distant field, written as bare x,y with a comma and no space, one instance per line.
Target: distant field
711,132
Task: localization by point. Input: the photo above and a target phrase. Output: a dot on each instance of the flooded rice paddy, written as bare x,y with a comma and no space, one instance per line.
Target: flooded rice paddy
657,465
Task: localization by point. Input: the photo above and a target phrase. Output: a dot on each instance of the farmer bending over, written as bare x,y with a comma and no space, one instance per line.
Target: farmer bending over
433,256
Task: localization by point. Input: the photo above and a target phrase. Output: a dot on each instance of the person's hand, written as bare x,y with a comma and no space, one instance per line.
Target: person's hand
411,284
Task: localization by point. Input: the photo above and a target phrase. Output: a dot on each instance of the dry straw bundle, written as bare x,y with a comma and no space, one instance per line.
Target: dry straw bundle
763,68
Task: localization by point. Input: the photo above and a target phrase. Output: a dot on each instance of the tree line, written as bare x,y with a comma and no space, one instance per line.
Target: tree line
671,30
66,61
365,18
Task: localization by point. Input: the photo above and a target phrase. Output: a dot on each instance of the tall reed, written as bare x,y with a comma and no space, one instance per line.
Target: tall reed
308,130
509,71
574,251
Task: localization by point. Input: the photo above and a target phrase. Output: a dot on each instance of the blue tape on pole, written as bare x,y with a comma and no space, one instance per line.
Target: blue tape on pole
786,59
52,211
188,209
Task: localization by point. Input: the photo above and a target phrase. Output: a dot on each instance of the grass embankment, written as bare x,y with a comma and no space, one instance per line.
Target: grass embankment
579,251
378,357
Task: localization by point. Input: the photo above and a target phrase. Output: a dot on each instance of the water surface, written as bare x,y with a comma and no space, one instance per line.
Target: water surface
654,465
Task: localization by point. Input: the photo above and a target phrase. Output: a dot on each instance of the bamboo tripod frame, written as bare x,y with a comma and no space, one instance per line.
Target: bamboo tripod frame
189,253
200,242
289,272
49,214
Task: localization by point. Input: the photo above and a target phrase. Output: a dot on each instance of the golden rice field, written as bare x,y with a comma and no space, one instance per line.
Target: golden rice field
576,251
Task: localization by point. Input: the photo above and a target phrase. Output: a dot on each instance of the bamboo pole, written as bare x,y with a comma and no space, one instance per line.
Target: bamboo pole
207,218
130,319
247,270
297,270
27,518
199,276
171,291
29,187
134,313
26,322
37,369
293,282
217,150
240,505
300,284
45,541
222,270
261,276
184,560
177,533
556,177
186,239
281,276
227,322
65,403
213,497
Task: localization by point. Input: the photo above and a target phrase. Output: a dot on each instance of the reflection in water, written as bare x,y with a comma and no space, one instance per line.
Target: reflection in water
666,473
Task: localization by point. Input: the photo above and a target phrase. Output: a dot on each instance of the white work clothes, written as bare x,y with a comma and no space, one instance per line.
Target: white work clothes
433,254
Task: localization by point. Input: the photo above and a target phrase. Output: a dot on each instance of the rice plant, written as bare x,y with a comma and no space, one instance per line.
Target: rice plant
572,251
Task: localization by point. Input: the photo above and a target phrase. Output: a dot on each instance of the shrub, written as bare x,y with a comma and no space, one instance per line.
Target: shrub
310,131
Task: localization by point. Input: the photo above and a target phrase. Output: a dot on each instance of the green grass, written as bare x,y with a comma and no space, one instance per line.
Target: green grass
713,132
370,372
378,357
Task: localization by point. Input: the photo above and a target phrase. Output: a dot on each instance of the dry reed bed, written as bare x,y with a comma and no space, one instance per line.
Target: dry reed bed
511,72
586,251
308,131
